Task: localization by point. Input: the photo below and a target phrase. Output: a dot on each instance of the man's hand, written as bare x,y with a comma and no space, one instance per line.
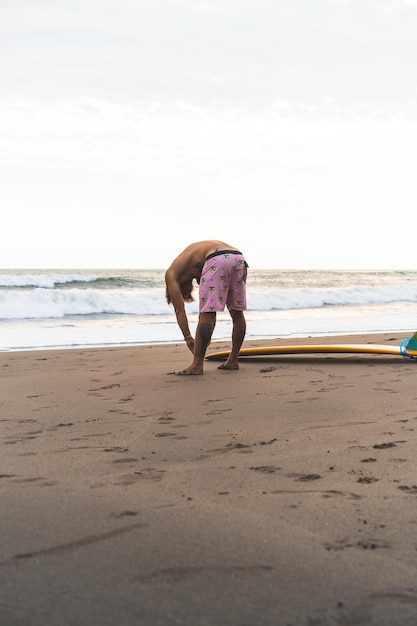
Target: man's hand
190,343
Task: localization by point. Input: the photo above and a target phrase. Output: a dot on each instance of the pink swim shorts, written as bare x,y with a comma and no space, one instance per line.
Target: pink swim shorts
223,282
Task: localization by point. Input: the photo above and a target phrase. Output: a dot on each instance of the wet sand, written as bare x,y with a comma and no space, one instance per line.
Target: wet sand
284,493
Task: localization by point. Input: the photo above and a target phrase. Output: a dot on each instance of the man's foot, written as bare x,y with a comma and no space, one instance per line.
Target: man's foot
190,372
228,366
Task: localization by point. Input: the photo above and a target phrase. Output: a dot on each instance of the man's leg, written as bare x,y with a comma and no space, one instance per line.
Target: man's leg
204,332
238,335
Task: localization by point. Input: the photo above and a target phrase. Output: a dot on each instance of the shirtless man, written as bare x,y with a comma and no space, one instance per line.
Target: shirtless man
220,270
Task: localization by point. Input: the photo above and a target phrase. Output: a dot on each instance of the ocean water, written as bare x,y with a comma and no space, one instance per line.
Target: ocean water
42,309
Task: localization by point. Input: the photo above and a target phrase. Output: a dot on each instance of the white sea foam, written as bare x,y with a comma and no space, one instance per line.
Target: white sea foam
58,303
304,298
47,303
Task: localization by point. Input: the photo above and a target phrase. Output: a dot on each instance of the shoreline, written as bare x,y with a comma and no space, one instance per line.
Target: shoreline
280,493
262,341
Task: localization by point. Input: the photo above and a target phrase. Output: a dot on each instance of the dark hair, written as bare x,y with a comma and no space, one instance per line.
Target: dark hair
186,290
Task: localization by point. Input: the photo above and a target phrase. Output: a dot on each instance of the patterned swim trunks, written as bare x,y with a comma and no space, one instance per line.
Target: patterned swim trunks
223,282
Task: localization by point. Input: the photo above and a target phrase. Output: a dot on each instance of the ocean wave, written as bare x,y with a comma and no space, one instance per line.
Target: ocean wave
55,280
305,298
58,303
45,281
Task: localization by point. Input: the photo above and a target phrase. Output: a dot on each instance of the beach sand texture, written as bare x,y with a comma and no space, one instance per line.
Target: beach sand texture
284,493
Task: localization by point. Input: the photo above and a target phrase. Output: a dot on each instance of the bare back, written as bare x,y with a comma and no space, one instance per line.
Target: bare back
189,262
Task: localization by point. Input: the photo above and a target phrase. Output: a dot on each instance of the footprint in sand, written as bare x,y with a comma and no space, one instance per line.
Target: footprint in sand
266,469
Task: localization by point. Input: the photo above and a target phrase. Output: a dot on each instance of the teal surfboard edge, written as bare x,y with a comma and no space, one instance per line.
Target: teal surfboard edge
408,348
411,343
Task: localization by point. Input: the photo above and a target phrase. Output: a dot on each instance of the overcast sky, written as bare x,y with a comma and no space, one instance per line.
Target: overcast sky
131,128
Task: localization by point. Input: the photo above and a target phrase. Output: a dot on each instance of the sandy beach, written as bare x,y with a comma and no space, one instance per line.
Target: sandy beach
284,493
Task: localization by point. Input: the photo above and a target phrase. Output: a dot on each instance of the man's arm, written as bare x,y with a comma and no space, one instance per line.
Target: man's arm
179,306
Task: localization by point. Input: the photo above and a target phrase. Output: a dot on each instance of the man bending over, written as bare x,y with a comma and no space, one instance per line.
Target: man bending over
220,270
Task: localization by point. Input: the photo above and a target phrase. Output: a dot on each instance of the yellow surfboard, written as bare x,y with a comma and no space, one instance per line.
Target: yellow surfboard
344,348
